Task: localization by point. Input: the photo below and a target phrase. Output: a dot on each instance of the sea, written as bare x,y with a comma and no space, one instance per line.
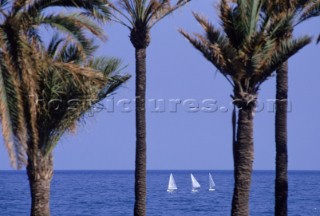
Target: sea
111,193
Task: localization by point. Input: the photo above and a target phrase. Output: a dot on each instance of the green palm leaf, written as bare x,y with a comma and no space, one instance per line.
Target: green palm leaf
75,89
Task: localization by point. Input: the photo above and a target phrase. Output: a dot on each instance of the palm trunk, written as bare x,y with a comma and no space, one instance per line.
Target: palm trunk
141,146
234,138
40,172
281,182
243,155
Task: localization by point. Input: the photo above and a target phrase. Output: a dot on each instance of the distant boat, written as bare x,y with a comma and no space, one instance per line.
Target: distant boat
195,184
211,183
172,184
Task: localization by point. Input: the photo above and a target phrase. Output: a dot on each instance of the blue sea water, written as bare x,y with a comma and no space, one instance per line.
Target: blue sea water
111,193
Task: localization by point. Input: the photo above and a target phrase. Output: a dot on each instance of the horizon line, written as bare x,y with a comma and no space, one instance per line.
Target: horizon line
161,170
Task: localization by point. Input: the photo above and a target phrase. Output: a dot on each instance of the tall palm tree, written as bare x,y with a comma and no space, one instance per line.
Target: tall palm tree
66,96
248,49
67,87
32,80
139,16
67,91
19,27
277,9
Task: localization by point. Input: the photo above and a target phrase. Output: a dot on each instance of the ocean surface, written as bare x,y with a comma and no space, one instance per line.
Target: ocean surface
111,193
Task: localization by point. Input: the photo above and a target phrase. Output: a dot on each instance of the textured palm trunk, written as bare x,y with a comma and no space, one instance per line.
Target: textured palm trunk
281,182
141,146
243,155
40,172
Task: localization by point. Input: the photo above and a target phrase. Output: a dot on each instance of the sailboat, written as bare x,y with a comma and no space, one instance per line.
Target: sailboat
172,184
195,184
211,183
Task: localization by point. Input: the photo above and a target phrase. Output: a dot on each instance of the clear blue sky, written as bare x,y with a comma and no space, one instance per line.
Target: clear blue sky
199,140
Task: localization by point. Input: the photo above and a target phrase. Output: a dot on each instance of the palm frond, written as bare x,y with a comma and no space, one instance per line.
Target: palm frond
310,11
279,28
94,8
72,23
30,79
216,37
110,68
210,51
284,51
105,65
75,28
147,13
65,91
54,44
164,10
228,22
76,89
12,116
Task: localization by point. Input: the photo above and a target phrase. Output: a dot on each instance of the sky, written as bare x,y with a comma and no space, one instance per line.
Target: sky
179,137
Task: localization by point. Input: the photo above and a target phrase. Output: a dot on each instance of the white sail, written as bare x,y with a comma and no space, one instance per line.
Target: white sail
195,183
172,184
211,183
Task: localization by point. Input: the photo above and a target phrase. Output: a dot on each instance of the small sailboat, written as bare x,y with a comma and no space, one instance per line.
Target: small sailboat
172,184
211,183
195,184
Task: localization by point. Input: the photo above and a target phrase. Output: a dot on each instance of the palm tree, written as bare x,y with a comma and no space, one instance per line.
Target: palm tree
139,16
33,80
246,51
67,87
277,9
19,24
67,92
